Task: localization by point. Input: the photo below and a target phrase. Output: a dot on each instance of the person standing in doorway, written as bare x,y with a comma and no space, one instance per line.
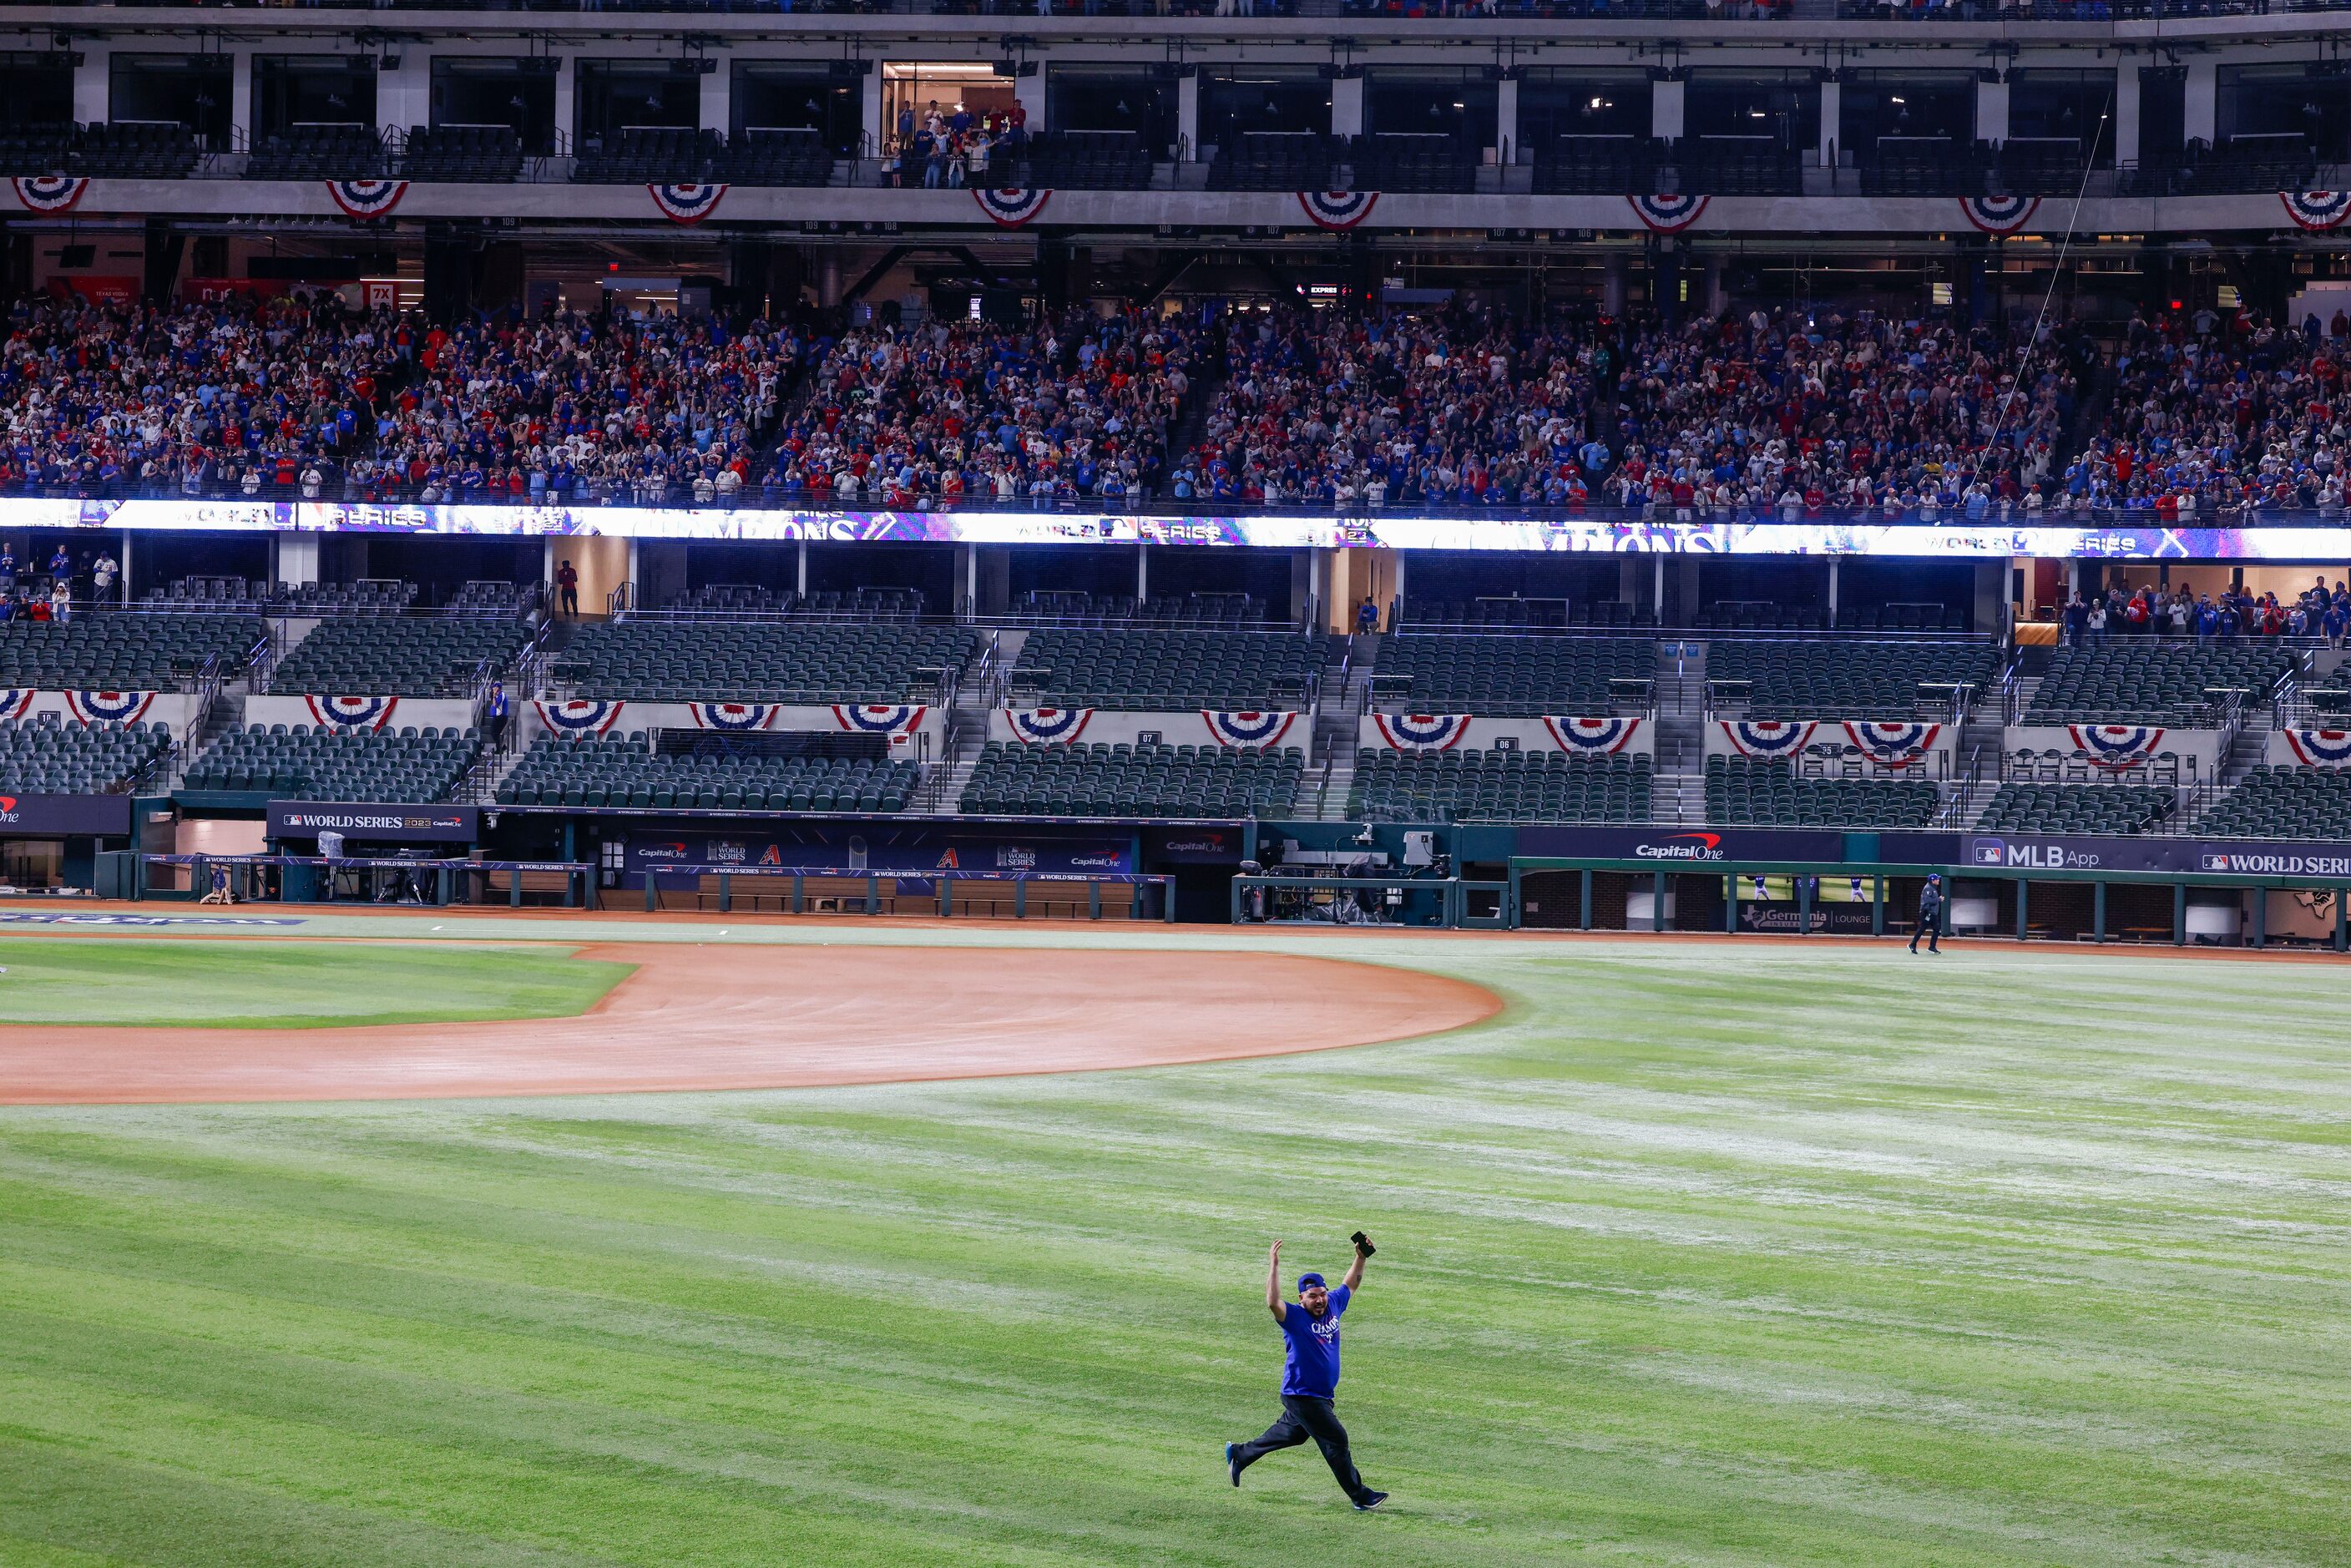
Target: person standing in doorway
1309,1378
567,584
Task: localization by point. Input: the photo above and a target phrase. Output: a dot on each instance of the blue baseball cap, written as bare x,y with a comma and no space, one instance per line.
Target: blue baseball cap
1306,1280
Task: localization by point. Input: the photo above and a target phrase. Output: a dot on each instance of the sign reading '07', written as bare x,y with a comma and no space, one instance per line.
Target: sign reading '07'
65,816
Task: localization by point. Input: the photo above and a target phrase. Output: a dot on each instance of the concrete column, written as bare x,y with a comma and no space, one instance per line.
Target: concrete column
827,288
1834,574
800,582
718,100
1030,91
1141,573
1991,111
92,83
567,127
1187,115
1506,120
2203,115
2124,129
1347,107
294,558
1666,109
877,132
1612,284
240,98
1832,113
404,98
1718,297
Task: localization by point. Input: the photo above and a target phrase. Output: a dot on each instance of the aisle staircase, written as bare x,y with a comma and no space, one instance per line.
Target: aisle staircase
1678,780
1344,696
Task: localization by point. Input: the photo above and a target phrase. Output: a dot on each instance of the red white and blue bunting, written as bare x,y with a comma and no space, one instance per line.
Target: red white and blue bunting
2317,211
1768,736
51,192
1048,725
1893,744
1422,731
1247,730
896,720
578,717
1338,209
686,203
107,707
352,713
2116,745
1668,214
367,198
1592,737
2320,747
737,717
1010,206
13,704
1999,215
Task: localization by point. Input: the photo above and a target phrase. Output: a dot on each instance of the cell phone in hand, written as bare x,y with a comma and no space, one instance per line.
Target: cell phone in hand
1363,1244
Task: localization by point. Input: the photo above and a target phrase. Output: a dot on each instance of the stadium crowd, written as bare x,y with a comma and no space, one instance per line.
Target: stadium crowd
2316,612
1770,415
290,398
1075,409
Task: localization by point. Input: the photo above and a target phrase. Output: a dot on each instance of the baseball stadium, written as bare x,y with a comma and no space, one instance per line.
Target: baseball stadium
810,856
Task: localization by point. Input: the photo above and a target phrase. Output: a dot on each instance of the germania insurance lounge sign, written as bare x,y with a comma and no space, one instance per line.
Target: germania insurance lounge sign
376,824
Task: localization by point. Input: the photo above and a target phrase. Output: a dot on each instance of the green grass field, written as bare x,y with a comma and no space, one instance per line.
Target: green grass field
1700,1255
288,985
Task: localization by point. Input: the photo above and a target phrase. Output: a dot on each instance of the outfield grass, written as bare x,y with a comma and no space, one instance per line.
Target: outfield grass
287,985
1700,1255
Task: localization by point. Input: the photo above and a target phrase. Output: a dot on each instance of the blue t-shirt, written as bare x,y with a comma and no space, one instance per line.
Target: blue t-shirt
1310,1364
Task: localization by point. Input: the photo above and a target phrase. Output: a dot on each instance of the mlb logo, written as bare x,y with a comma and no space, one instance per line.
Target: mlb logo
1987,851
2214,862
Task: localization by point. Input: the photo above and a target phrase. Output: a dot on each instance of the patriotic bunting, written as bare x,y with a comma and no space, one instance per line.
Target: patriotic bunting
895,720
1767,736
106,707
1592,737
1048,725
686,203
2320,747
1668,214
2116,745
1010,206
2317,211
578,717
352,713
1246,730
1893,744
737,717
51,192
367,198
1338,209
1999,215
1422,731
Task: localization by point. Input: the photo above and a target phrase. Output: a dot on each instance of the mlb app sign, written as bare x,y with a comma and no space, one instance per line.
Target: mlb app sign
2047,855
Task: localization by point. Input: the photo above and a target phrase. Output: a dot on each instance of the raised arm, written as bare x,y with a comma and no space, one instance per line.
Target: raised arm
1355,1272
1273,1284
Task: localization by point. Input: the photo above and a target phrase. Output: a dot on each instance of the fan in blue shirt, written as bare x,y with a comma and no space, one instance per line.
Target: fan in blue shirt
1310,1377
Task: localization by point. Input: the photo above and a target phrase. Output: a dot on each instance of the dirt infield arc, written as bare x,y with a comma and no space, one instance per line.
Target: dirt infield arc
778,1018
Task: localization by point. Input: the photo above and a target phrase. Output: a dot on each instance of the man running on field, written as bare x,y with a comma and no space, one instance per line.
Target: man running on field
1309,1378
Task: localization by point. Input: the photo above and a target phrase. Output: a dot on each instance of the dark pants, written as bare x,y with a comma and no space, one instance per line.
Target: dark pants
570,601
1930,926
1303,1417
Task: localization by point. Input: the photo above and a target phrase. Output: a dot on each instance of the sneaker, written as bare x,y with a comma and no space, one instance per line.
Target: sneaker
1233,1462
1369,1500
